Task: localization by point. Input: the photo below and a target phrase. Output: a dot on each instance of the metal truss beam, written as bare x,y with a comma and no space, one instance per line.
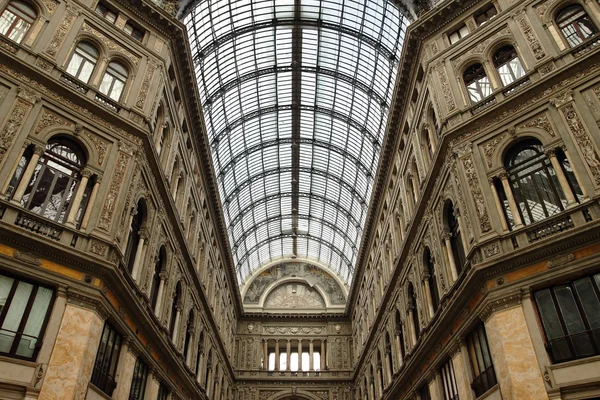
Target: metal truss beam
321,110
258,202
306,217
224,169
275,23
238,188
254,248
238,81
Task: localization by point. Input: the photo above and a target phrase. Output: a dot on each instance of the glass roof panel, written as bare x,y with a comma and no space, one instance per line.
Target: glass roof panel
296,96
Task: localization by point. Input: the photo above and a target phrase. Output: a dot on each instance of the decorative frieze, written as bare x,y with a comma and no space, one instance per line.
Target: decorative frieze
541,121
48,119
294,330
101,147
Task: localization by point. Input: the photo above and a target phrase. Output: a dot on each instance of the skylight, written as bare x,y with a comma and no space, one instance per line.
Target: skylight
296,96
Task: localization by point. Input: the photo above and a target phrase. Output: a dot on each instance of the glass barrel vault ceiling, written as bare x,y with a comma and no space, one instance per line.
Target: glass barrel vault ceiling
296,96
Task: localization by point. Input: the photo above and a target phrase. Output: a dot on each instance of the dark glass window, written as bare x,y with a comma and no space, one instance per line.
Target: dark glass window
570,315
456,244
24,311
481,361
449,381
477,82
138,383
400,334
16,178
535,186
107,358
83,61
413,303
114,80
55,180
508,65
16,19
163,392
575,24
174,305
424,392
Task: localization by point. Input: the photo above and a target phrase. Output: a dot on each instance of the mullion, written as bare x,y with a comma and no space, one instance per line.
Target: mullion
24,318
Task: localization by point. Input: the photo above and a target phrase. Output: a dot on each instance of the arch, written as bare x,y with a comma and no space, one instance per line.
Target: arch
273,286
399,333
388,352
83,61
22,14
575,23
454,230
69,132
189,333
507,64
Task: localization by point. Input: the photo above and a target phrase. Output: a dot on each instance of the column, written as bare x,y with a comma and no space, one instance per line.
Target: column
159,295
498,204
265,354
125,369
577,177
512,204
276,354
37,152
427,289
562,179
398,351
463,237
14,167
463,372
152,384
323,355
72,360
200,362
208,384
90,206
411,321
388,364
299,355
139,254
515,361
85,176
288,358
311,361
177,322
450,255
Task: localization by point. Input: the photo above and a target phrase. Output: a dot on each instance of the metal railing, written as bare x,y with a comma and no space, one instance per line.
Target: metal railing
575,346
484,381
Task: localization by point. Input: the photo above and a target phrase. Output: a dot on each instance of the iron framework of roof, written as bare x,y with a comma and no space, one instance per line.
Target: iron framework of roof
296,96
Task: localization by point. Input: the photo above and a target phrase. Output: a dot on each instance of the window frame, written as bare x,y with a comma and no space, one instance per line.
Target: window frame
25,316
480,357
509,66
19,13
87,58
114,76
479,84
101,375
583,315
575,25
449,384
139,380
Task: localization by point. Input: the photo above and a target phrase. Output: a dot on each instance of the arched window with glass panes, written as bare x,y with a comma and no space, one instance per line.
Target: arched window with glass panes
508,65
83,61
55,181
477,82
114,80
16,20
575,24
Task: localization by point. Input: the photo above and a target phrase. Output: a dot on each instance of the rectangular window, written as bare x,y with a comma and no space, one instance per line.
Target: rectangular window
424,392
134,31
449,381
458,34
570,315
138,383
485,15
24,312
107,358
481,361
107,12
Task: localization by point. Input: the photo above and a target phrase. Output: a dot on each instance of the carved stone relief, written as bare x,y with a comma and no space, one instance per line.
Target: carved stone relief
143,94
530,36
110,43
48,119
13,125
61,32
475,187
447,92
113,192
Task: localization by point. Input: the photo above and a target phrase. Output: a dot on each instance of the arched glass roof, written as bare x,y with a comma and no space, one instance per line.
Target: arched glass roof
296,96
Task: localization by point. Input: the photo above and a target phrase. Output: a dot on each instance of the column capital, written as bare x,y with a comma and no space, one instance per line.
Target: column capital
144,233
38,149
86,173
446,235
503,175
550,152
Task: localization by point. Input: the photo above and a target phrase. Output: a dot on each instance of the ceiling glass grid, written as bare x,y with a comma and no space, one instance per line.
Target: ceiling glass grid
303,80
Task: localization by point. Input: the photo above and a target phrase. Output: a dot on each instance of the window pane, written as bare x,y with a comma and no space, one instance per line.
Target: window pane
548,315
34,324
19,31
6,284
10,325
74,64
589,301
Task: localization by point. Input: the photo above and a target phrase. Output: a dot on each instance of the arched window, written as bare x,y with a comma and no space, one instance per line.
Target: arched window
199,354
83,61
428,144
508,65
55,179
113,81
134,235
174,305
388,353
533,181
575,24
380,370
188,336
477,82
431,278
16,19
158,267
372,383
399,334
458,251
413,307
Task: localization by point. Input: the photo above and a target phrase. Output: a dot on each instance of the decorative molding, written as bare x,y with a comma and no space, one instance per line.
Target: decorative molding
475,188
143,94
530,36
294,330
493,306
448,96
560,260
27,257
61,32
13,125
113,192
110,43
541,121
48,119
